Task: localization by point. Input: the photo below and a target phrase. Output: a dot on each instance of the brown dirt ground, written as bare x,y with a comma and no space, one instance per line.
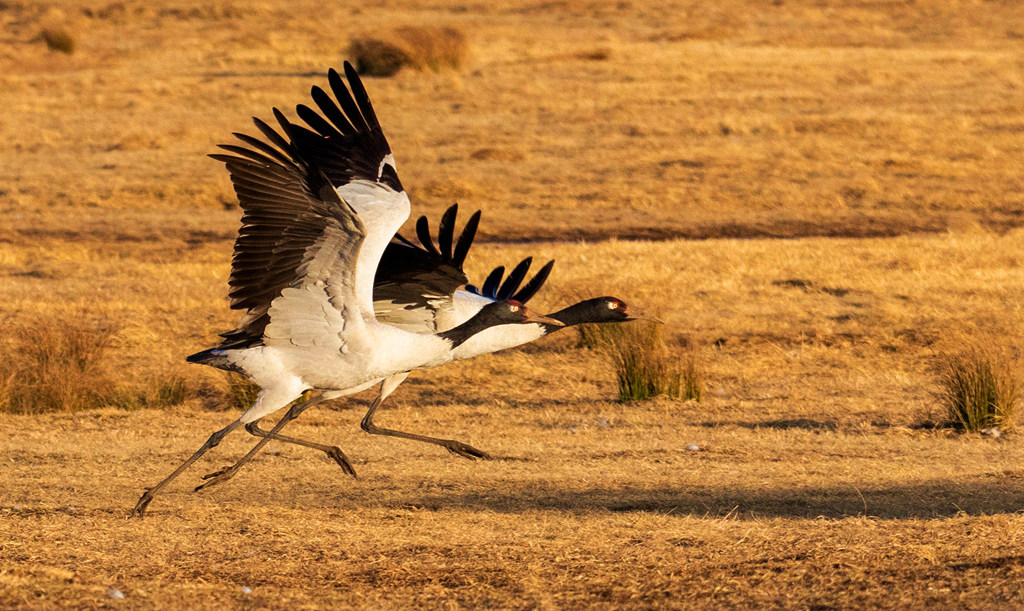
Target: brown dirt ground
884,137
738,120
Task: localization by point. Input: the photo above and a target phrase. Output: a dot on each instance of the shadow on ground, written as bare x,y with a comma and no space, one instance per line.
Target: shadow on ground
999,494
932,499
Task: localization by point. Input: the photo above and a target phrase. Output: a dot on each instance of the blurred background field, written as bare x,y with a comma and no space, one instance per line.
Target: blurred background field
822,200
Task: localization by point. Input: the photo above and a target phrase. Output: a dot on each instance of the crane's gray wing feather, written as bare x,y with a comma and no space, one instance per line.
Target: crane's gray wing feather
293,264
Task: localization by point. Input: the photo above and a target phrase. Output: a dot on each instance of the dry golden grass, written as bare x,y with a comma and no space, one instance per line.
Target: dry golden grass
980,387
885,137
242,391
644,365
748,120
59,39
419,47
66,365
56,366
813,483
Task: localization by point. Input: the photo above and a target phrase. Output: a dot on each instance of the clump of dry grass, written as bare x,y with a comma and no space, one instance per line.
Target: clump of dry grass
980,388
596,337
62,366
644,366
419,47
56,366
170,391
164,393
59,38
241,391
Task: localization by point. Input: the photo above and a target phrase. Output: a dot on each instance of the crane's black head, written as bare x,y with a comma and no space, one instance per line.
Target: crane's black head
599,309
509,312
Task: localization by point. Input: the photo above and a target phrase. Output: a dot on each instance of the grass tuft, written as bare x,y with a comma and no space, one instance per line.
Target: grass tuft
242,392
376,57
419,47
62,366
168,392
59,38
644,366
164,393
597,337
980,389
56,366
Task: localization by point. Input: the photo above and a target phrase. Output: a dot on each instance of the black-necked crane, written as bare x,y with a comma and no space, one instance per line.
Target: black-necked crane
314,228
423,288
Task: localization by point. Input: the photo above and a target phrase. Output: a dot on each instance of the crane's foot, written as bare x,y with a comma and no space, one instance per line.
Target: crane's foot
140,508
218,477
339,457
464,450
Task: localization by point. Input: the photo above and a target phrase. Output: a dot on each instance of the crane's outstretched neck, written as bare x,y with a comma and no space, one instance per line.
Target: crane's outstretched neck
492,315
460,334
599,309
576,314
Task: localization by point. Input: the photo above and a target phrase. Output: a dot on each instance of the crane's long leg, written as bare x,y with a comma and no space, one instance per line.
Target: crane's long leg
386,388
212,442
334,452
228,472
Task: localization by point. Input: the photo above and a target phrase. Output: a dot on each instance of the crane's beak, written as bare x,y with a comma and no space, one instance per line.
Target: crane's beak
634,315
540,319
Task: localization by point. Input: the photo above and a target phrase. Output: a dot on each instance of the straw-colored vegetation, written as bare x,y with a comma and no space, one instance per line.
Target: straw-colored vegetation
241,391
68,366
883,137
419,47
643,364
61,366
59,39
980,387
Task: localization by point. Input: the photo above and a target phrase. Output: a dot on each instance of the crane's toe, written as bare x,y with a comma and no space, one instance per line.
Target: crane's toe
339,457
217,477
140,508
466,451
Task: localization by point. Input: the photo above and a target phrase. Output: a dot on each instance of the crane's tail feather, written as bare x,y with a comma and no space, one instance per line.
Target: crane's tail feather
215,357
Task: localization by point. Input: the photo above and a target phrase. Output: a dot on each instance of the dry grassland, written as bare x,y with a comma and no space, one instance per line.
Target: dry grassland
885,138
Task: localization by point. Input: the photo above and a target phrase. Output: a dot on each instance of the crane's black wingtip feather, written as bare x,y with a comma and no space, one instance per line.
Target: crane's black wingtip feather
515,278
535,283
423,233
466,239
446,231
492,282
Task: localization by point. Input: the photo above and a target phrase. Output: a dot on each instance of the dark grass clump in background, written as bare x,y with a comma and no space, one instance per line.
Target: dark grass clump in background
979,388
418,47
59,38
644,365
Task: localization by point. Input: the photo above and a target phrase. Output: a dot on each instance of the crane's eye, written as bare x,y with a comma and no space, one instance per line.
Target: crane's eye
612,305
513,308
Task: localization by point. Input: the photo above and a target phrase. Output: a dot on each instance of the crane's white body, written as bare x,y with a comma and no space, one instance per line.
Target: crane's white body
319,209
323,334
